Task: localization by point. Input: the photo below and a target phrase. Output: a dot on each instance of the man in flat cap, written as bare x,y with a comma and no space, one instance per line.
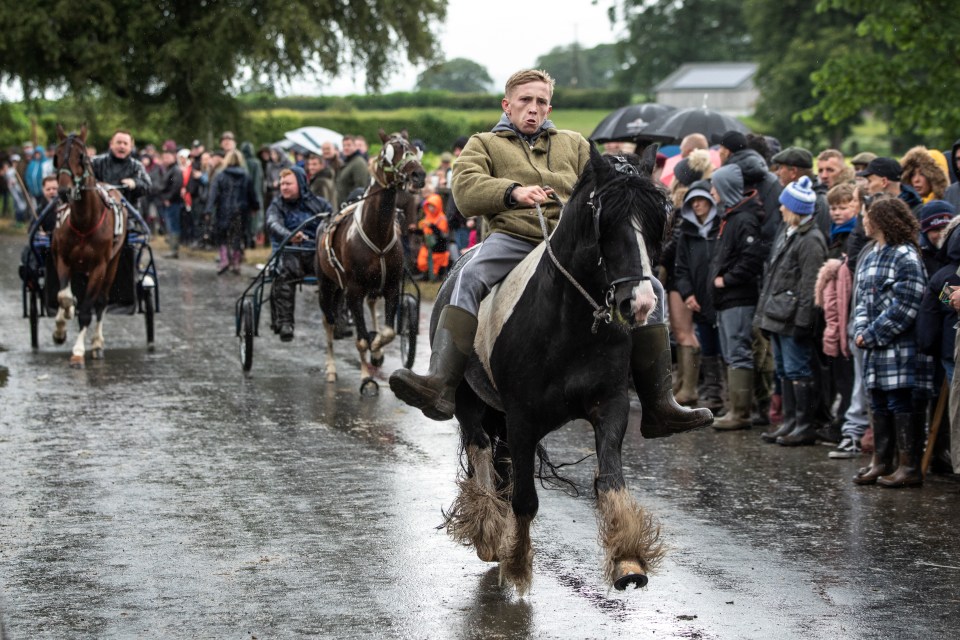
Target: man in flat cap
793,163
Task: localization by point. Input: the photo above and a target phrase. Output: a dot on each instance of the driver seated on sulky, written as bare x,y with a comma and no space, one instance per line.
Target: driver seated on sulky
296,205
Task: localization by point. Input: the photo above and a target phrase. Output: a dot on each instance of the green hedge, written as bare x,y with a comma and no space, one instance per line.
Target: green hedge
565,98
437,133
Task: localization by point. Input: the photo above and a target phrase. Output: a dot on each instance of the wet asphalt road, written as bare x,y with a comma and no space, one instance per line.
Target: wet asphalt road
168,494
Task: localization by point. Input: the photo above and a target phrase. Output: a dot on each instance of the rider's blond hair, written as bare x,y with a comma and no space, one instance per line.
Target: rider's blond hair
529,75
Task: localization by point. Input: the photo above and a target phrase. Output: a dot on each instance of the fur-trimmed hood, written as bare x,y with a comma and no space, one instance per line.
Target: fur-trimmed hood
920,159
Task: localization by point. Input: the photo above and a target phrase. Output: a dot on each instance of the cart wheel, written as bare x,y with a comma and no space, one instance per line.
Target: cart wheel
34,319
407,321
246,334
149,313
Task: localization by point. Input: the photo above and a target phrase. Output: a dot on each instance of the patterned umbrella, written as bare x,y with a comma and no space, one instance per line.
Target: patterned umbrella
626,122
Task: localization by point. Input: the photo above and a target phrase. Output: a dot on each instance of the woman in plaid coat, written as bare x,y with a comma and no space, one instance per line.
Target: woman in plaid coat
890,285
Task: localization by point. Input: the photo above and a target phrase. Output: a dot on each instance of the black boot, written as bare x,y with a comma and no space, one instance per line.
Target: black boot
882,450
789,409
804,432
650,366
435,392
909,427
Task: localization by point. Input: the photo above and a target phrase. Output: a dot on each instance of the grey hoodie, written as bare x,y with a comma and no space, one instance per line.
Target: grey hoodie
728,181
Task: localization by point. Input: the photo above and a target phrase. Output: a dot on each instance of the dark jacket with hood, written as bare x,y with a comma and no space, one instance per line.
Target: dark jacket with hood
231,197
952,194
283,216
110,169
756,175
696,245
739,255
171,182
935,333
786,302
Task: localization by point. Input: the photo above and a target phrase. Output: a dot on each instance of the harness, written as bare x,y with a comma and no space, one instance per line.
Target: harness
600,313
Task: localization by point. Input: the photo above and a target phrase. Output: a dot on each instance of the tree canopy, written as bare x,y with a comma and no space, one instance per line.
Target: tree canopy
188,55
903,65
663,34
572,66
459,75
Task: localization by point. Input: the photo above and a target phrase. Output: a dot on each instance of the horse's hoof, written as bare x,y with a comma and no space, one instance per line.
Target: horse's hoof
97,354
331,377
638,580
377,361
369,388
76,362
59,339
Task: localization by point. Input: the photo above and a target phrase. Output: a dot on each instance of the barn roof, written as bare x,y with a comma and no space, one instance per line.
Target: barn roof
696,76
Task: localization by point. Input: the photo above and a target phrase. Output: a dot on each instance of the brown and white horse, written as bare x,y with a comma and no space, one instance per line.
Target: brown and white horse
85,246
360,255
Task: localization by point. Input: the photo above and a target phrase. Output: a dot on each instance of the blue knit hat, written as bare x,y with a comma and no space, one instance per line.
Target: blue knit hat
798,196
935,214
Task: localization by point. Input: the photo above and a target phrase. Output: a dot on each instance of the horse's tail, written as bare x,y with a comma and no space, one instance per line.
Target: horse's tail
549,475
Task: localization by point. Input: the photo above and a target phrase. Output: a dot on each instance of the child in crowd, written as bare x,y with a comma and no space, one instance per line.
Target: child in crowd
435,229
786,310
890,286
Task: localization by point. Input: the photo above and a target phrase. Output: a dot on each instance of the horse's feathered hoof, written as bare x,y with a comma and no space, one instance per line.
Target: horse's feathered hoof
369,388
97,354
59,338
76,362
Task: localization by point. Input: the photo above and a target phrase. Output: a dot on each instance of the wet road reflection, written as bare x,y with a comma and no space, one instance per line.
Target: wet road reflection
168,493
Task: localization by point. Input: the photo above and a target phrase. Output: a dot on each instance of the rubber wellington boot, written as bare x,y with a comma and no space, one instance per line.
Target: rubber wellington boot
880,463
909,428
804,432
788,406
740,386
650,367
689,360
435,392
711,391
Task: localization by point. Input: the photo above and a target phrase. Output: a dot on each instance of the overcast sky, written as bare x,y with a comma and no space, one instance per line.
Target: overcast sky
496,35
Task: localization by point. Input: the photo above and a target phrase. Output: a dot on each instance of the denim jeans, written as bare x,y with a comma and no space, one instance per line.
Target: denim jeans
792,356
736,339
709,339
856,419
171,218
890,401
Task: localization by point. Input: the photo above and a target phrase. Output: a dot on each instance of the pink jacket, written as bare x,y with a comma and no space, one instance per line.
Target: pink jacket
832,293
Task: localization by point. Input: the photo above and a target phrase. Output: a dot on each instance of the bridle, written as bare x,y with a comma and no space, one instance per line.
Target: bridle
79,182
395,171
603,312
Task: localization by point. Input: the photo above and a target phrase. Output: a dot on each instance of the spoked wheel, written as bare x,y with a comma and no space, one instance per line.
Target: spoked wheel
407,321
149,313
34,319
246,334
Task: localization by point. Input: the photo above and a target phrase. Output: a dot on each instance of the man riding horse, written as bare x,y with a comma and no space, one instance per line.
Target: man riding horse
503,175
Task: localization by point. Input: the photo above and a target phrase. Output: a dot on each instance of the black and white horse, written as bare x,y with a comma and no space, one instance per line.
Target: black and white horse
553,345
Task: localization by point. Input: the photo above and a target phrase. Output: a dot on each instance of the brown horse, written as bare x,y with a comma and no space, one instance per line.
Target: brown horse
361,258
85,245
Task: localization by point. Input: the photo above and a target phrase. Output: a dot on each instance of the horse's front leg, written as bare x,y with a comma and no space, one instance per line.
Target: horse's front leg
387,334
516,549
97,343
629,535
66,303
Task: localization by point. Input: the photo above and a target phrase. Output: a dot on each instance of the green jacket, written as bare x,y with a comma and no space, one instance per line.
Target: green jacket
491,162
353,175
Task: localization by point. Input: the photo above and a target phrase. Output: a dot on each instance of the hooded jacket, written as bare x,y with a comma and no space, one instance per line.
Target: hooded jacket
35,172
493,162
283,216
695,248
739,255
756,175
952,194
231,196
920,160
935,333
786,302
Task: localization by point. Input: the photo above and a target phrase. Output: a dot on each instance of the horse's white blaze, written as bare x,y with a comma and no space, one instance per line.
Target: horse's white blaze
491,317
78,348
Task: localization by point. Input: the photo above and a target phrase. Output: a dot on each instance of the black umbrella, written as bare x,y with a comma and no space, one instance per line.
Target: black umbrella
679,124
626,122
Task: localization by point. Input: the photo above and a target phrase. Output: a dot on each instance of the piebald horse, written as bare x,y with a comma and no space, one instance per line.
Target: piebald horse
85,245
553,345
361,257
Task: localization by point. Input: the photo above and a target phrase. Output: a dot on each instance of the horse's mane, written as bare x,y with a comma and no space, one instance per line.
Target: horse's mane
624,193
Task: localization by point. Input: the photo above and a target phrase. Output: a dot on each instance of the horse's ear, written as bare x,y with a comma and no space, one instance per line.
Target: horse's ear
388,153
83,132
598,163
61,134
383,136
648,161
